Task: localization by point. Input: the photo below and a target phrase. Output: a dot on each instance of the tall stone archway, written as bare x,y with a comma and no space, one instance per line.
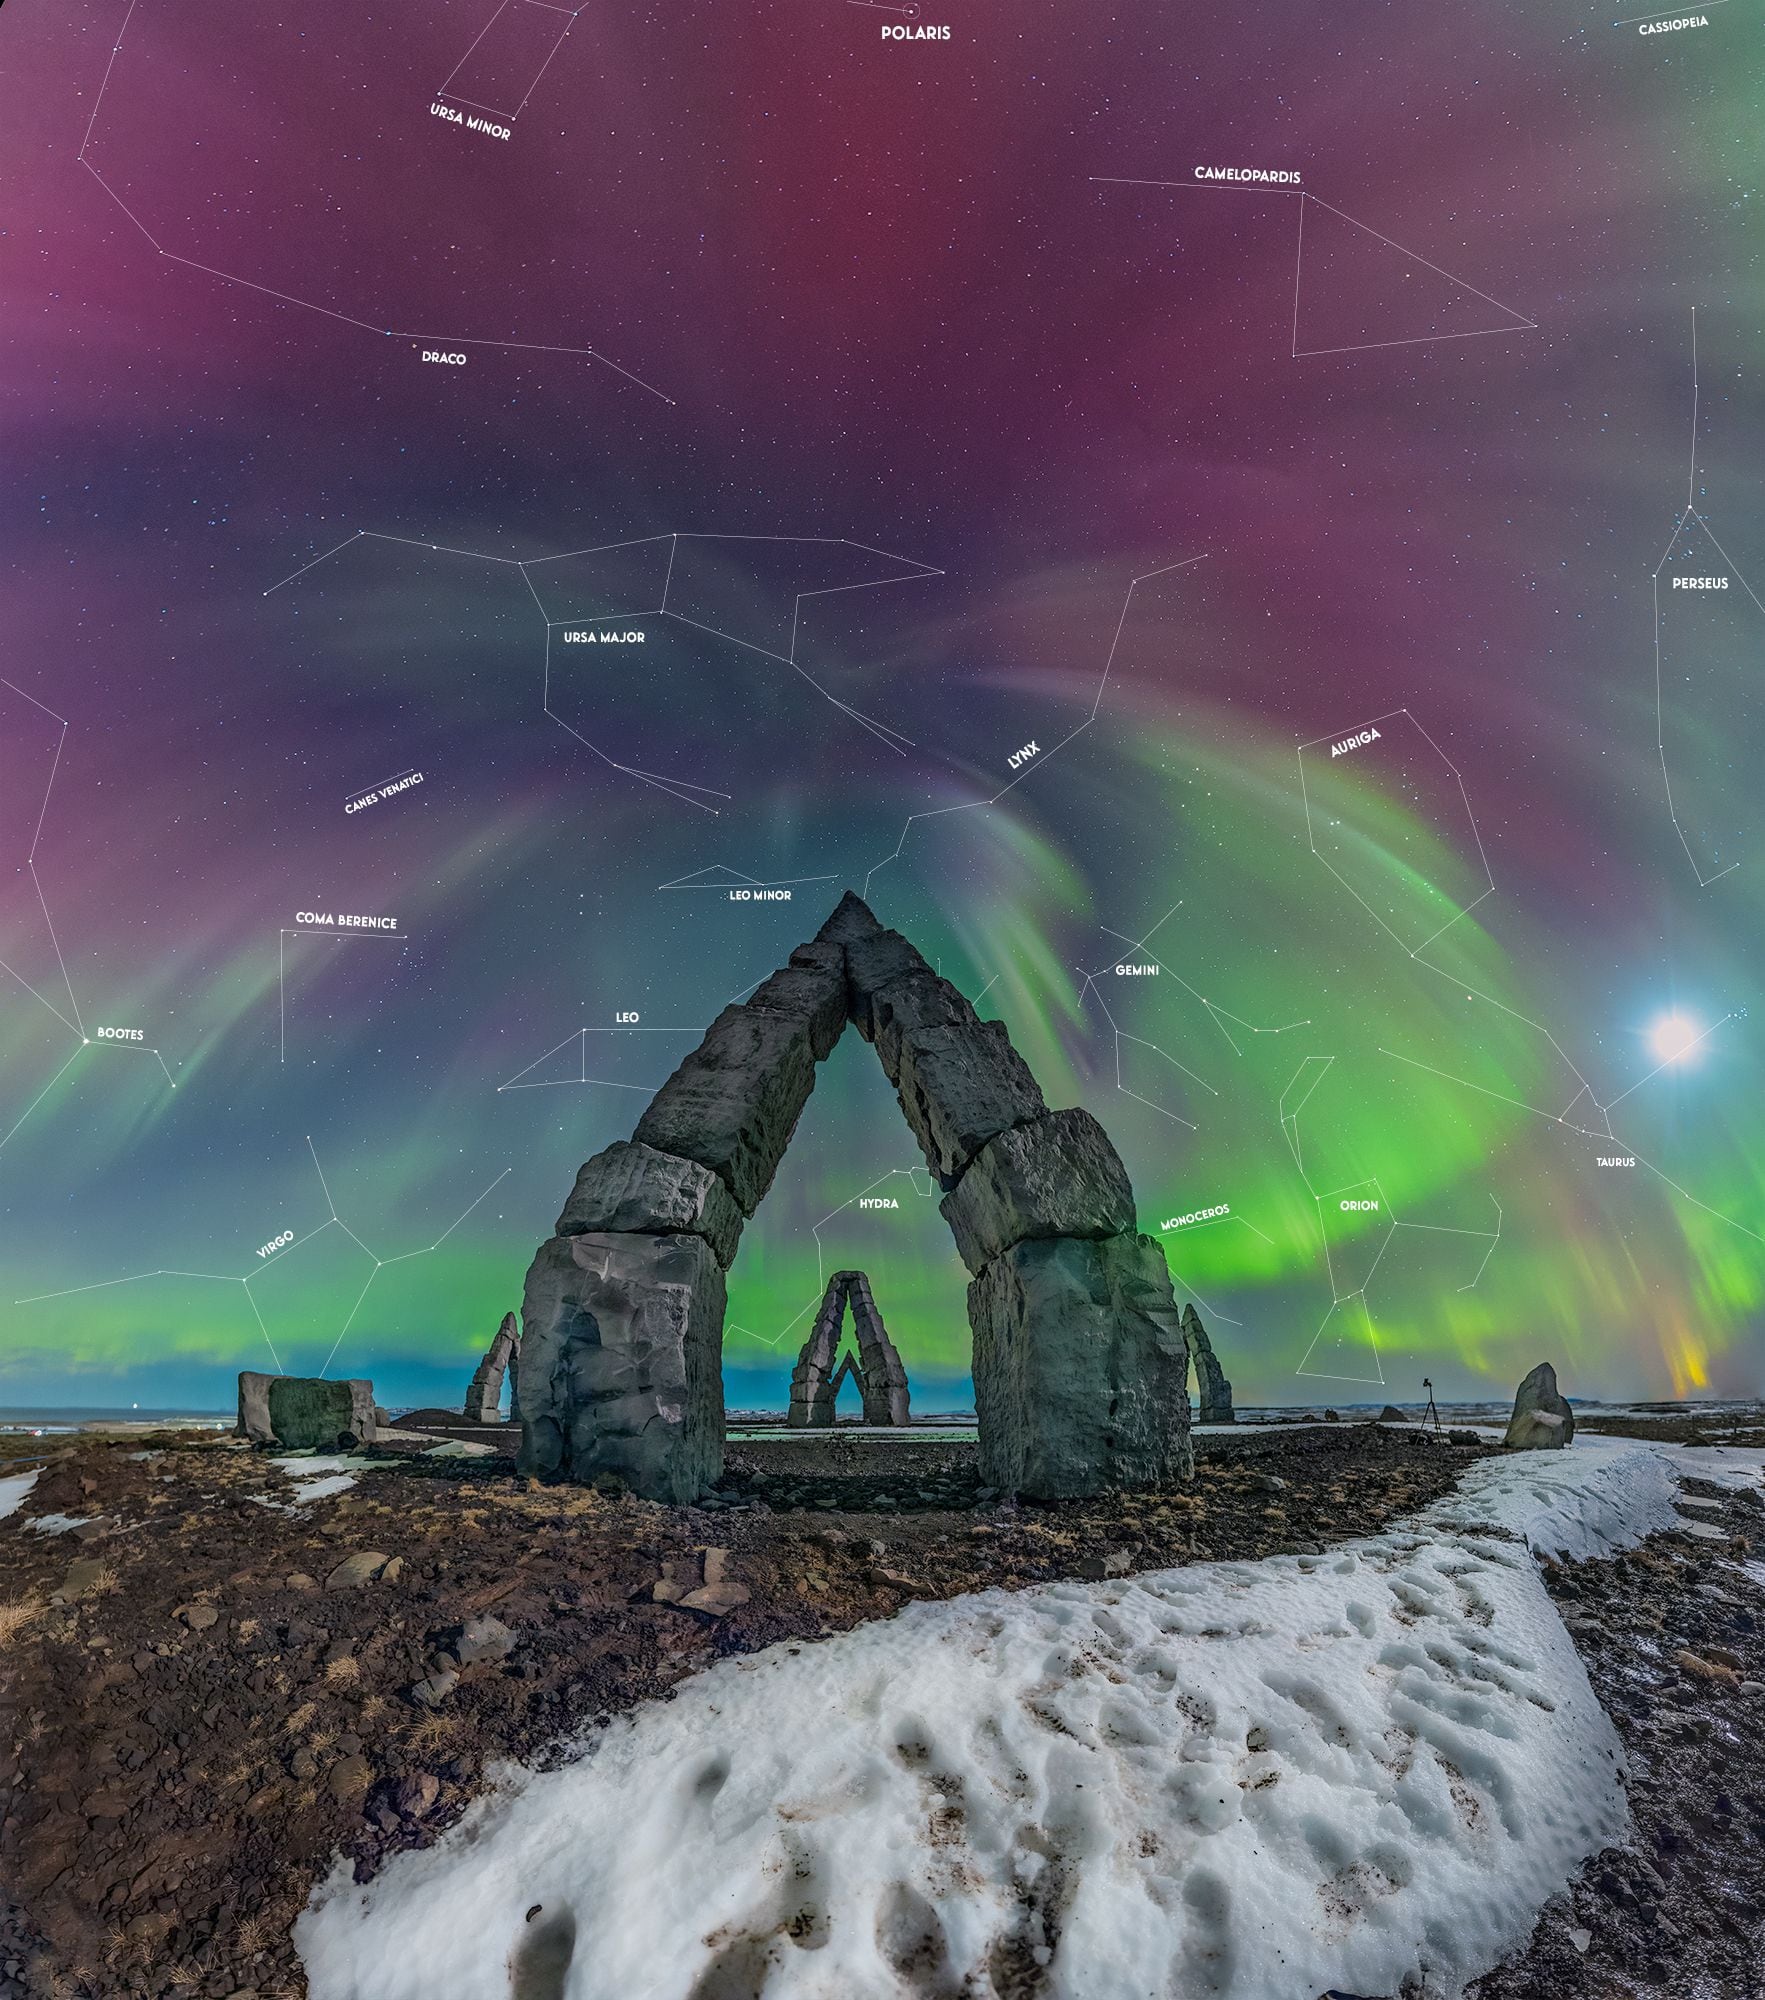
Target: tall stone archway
1079,1357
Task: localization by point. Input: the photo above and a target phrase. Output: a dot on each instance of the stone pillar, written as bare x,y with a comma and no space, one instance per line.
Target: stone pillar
485,1394
882,1379
1079,1360
1213,1393
622,1318
811,1405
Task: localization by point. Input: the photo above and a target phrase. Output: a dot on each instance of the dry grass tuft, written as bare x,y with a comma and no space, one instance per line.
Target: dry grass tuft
250,1936
298,1718
433,1731
15,1615
373,1708
343,1672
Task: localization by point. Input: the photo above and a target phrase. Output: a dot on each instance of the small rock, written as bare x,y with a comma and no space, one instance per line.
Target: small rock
1752,1687
199,1617
435,1688
1256,1737
482,1638
393,1570
356,1570
83,1577
303,1764
1581,1939
412,1797
299,1580
1117,1563
349,1777
716,1600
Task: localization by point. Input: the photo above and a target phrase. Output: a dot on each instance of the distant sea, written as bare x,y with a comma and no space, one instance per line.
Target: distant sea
70,1416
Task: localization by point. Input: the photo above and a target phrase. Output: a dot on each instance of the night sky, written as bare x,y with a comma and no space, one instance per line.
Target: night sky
902,390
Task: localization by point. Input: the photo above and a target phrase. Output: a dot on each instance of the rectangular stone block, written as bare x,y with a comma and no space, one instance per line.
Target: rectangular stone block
960,1087
621,1363
306,1412
1079,1366
735,1101
1056,1176
633,1187
873,962
814,995
915,999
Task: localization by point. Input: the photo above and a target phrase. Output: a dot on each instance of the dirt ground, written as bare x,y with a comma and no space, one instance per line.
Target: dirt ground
198,1707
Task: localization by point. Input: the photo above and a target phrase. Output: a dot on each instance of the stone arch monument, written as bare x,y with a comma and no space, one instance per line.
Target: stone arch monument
881,1379
1079,1356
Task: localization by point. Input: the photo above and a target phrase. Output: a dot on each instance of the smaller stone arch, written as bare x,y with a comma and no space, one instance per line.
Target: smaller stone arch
878,1371
484,1396
1213,1393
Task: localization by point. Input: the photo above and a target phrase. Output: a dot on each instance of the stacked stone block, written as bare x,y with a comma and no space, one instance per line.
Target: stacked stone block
1079,1356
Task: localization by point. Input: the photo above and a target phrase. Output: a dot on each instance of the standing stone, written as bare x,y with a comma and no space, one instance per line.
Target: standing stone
621,1365
811,1405
1079,1367
1542,1419
484,1397
882,1380
306,1412
1213,1392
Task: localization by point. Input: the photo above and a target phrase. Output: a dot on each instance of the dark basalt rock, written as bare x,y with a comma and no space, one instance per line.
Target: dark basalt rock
811,994
1056,1176
735,1101
485,1394
631,1186
1542,1419
305,1412
621,1354
881,1379
1079,1366
1079,1353
1213,1393
960,1087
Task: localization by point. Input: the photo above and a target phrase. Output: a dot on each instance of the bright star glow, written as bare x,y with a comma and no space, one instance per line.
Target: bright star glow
1674,1036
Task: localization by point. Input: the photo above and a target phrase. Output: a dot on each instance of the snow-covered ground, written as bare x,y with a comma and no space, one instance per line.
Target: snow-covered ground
13,1489
1223,1782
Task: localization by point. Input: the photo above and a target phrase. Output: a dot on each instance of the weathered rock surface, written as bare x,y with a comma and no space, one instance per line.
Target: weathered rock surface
1056,1176
1213,1393
631,1186
1079,1353
254,1407
878,1371
812,993
1542,1419
484,1394
882,1380
735,1101
960,1087
305,1412
1079,1367
621,1371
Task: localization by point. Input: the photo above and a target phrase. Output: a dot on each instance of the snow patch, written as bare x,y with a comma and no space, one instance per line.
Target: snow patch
1220,1782
318,1477
59,1524
13,1489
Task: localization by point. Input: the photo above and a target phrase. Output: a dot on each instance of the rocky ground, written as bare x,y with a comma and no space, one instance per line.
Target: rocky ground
207,1690
1673,1638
